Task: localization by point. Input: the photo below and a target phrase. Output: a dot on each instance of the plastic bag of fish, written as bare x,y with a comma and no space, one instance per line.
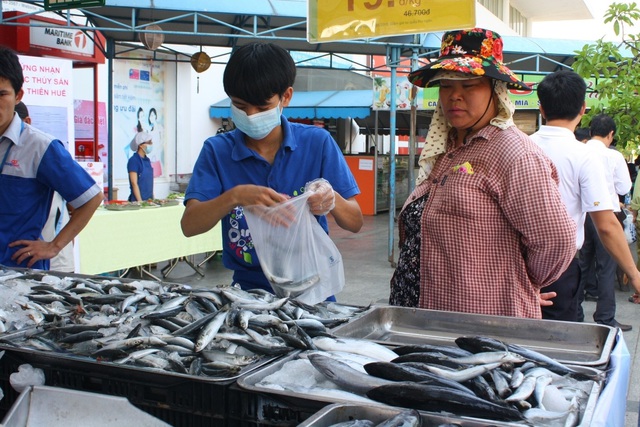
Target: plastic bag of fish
481,378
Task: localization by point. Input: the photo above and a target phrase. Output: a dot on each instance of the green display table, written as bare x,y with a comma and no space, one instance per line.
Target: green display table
117,240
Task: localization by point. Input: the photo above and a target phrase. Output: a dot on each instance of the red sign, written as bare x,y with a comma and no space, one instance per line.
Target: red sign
55,40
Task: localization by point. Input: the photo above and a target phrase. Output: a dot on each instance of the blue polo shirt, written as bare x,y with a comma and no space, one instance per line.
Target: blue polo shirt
34,165
307,153
141,166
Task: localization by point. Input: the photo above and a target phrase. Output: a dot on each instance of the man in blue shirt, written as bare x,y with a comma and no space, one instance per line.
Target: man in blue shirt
33,166
264,161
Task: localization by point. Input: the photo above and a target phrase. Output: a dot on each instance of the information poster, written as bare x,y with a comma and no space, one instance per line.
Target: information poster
48,94
138,106
84,132
330,20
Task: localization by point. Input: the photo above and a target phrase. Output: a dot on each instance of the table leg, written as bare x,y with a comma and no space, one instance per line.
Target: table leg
141,272
192,265
148,273
207,258
172,264
167,269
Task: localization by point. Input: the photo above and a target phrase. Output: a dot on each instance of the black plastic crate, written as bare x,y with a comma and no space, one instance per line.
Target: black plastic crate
177,400
248,409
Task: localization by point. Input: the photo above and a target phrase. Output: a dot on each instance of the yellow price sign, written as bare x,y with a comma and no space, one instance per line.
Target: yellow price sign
330,20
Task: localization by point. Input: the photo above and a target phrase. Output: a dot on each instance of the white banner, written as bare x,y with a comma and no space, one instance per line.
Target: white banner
48,94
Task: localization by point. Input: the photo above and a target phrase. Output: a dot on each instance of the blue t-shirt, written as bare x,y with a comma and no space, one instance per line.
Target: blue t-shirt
141,166
34,166
307,153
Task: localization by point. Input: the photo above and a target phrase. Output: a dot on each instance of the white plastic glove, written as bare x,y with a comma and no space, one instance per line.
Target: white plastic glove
324,199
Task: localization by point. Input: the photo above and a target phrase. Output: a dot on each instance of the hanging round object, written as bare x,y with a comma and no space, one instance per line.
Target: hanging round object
152,41
200,61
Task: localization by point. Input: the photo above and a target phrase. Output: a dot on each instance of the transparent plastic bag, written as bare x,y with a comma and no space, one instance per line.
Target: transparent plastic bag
629,227
297,256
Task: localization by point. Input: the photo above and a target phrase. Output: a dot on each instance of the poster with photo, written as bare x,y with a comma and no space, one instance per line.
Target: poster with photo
138,106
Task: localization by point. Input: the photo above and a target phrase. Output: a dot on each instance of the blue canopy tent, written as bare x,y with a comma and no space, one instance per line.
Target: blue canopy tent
324,104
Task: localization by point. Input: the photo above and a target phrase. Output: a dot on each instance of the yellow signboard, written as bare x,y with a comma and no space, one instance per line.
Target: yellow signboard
330,20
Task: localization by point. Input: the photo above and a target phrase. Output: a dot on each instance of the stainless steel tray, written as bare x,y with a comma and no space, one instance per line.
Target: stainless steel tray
342,412
59,407
52,359
251,382
584,344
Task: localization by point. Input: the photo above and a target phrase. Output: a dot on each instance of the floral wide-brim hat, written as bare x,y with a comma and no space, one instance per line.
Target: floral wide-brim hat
477,52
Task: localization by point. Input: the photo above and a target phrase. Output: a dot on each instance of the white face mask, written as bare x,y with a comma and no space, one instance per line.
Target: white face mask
256,126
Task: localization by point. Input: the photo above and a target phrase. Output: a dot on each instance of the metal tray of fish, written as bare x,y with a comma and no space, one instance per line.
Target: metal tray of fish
343,412
582,344
52,358
46,306
258,382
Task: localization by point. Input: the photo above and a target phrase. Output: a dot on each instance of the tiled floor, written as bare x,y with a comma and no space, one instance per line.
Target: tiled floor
368,270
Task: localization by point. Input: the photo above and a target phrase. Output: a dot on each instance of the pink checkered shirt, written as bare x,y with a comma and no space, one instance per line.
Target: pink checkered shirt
492,238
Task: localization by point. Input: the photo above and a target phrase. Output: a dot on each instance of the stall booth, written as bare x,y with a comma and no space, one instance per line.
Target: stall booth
182,396
46,47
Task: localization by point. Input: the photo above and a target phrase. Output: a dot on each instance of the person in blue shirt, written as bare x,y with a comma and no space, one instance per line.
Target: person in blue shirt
264,161
33,166
140,169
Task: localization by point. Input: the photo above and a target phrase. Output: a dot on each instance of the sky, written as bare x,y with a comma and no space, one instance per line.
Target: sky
591,29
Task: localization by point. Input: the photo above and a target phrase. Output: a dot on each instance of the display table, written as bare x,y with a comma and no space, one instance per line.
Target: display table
117,240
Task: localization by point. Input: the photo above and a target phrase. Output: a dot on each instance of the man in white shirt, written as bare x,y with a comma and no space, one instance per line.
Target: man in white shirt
582,187
594,256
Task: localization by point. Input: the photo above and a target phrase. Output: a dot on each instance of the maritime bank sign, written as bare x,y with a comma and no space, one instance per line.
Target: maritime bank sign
62,39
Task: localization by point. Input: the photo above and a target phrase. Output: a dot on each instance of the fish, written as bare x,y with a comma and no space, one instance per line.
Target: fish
500,382
271,350
410,418
294,286
355,423
437,398
358,346
428,348
524,390
80,337
209,331
464,374
130,300
430,358
541,385
483,389
193,326
491,344
483,358
260,305
343,375
405,372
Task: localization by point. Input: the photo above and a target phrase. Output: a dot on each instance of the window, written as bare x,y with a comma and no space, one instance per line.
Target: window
517,22
494,6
